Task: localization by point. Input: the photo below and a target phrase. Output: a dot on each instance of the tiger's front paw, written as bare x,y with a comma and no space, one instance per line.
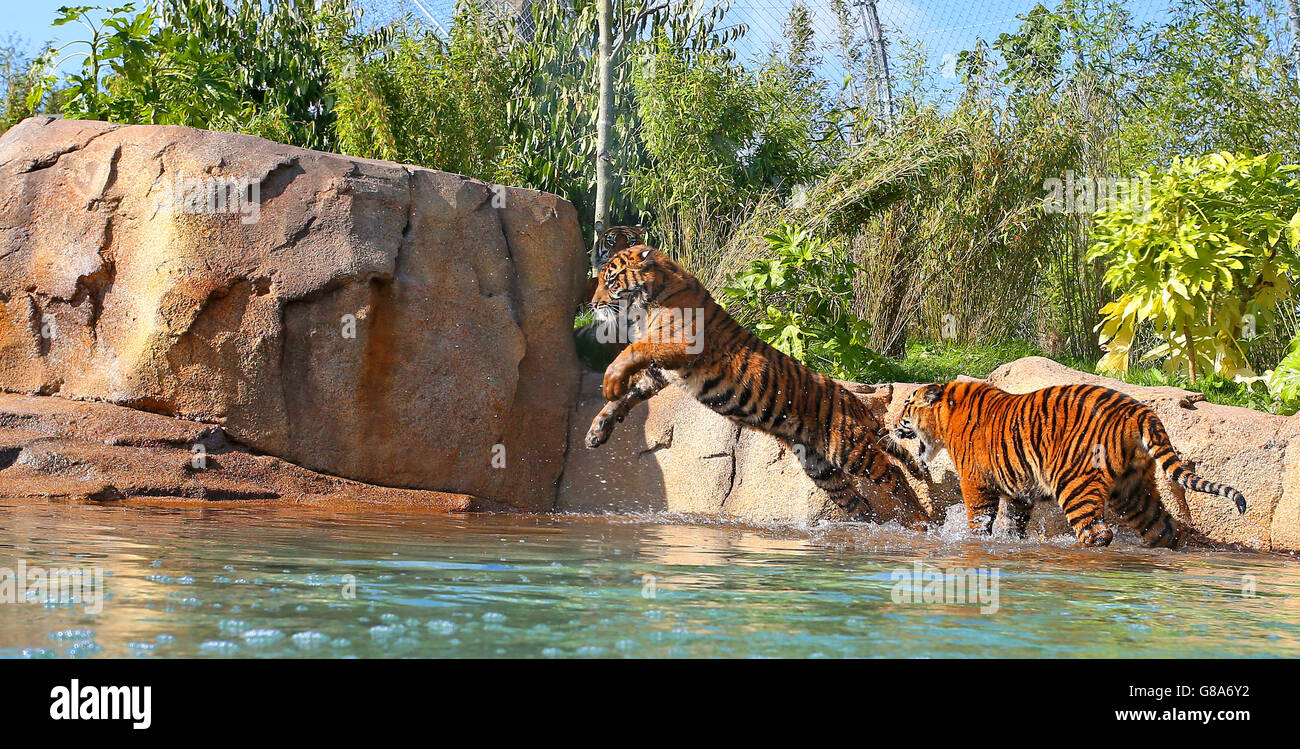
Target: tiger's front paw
1098,534
613,387
598,433
601,427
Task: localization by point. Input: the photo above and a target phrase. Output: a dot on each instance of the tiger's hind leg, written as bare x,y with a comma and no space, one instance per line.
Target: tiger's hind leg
647,382
1134,500
836,483
1084,502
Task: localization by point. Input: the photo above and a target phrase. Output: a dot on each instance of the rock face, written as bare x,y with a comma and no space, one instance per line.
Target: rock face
58,449
385,323
672,454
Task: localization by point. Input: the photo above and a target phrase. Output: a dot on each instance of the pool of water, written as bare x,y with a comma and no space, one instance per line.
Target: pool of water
261,581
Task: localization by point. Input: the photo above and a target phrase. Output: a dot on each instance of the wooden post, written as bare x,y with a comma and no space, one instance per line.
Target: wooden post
604,123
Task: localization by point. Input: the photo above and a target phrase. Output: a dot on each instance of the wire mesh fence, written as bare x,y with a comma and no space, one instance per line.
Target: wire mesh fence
860,42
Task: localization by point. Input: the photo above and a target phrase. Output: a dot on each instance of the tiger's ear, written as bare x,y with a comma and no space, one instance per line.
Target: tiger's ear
931,394
646,255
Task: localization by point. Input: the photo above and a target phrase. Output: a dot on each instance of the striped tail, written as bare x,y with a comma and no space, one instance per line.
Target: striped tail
1156,441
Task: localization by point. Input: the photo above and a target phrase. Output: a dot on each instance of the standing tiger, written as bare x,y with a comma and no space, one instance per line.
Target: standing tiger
1084,445
682,335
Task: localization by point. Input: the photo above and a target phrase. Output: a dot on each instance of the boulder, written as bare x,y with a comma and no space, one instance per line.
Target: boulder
674,455
62,450
385,323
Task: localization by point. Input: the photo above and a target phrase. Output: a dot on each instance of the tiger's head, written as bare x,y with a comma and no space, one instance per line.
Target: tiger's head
634,277
925,415
615,239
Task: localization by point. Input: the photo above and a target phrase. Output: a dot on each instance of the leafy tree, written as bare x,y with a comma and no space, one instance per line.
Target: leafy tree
800,300
1204,264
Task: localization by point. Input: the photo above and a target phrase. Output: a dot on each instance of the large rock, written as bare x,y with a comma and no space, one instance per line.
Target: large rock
386,323
672,454
58,449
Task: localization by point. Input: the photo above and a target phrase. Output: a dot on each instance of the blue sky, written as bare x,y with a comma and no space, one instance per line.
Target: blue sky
945,26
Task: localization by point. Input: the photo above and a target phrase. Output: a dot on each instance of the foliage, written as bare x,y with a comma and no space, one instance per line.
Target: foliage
424,99
1206,266
1284,381
16,81
134,70
801,298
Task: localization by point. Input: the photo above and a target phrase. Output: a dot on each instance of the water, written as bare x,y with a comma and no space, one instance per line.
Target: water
240,581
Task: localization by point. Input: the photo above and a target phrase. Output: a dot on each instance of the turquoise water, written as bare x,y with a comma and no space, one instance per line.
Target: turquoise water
258,581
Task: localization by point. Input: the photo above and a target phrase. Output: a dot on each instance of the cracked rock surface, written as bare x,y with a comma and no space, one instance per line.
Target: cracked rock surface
384,323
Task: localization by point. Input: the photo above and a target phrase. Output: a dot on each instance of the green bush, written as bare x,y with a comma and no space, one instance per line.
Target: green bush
1204,264
800,300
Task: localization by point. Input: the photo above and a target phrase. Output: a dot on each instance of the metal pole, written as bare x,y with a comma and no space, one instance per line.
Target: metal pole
884,85
1293,10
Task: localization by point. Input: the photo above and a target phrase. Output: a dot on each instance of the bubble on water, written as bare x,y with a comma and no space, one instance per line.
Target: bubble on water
234,626
218,646
310,639
552,652
625,645
654,614
340,643
35,653
73,634
386,631
494,616
144,647
156,563
260,638
164,579
588,651
165,638
240,581
220,579
300,607
441,627
190,601
388,618
411,622
185,580
83,649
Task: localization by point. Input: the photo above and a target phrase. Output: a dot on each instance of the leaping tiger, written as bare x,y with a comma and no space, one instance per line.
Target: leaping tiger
685,336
